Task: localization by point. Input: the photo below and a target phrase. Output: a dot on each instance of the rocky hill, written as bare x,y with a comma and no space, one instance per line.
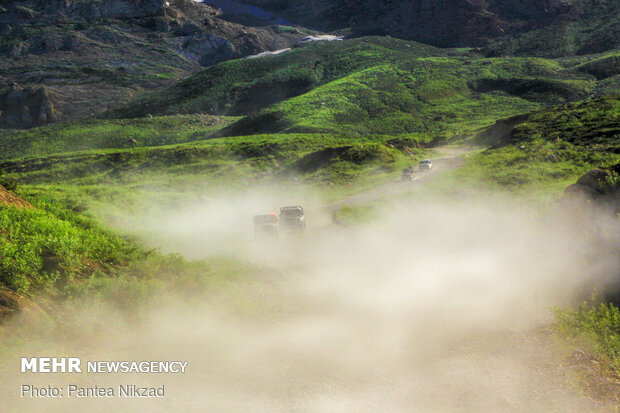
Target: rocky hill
70,59
67,59
539,27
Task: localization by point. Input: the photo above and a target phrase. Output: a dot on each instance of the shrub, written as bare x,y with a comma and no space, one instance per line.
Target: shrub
9,183
45,244
598,325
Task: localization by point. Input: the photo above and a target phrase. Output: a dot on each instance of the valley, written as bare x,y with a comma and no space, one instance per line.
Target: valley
140,139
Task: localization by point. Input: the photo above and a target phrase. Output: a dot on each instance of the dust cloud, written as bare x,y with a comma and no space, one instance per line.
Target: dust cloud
432,306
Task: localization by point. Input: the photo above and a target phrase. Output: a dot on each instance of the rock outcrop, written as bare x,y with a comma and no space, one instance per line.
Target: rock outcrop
176,19
31,106
599,188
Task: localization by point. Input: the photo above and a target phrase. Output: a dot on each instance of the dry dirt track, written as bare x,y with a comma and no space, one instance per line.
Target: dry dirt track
449,158
434,308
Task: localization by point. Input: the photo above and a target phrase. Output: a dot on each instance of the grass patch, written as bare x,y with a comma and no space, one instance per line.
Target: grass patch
597,326
48,245
106,134
69,261
545,151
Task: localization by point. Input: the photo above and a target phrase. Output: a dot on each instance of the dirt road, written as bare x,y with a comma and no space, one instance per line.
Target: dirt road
449,159
430,308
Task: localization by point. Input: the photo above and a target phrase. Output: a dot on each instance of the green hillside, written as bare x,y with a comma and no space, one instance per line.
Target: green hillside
220,161
334,117
547,150
370,86
46,243
584,27
242,86
544,150
378,86
502,27
592,125
103,134
58,257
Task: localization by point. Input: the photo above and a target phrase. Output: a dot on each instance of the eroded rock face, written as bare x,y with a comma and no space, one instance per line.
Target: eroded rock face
90,10
207,48
196,27
92,54
26,107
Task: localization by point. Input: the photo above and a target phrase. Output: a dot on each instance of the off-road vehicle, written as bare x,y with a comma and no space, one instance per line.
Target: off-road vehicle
266,226
426,165
292,219
408,174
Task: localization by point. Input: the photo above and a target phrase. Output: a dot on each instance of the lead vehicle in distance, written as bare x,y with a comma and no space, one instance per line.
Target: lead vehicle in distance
426,165
292,219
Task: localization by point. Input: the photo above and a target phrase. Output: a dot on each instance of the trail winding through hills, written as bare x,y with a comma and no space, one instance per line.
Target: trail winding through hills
434,307
449,159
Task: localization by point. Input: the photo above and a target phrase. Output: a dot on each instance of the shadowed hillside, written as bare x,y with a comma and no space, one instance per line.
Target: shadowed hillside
505,27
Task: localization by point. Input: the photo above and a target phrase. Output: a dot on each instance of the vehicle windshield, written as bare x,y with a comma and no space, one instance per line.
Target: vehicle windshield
291,212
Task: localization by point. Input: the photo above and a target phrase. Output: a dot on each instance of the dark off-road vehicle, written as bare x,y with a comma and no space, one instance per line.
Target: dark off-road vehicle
292,219
266,226
408,174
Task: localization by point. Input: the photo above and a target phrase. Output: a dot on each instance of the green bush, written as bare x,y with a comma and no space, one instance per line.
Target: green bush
48,244
8,182
598,325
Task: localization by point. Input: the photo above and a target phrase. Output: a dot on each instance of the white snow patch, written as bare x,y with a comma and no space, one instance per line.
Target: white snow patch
268,53
320,38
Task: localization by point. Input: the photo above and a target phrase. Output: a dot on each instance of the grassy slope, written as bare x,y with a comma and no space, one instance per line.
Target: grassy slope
64,260
372,85
595,326
225,161
548,149
594,30
603,67
56,254
543,153
368,86
430,97
224,88
39,245
103,134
